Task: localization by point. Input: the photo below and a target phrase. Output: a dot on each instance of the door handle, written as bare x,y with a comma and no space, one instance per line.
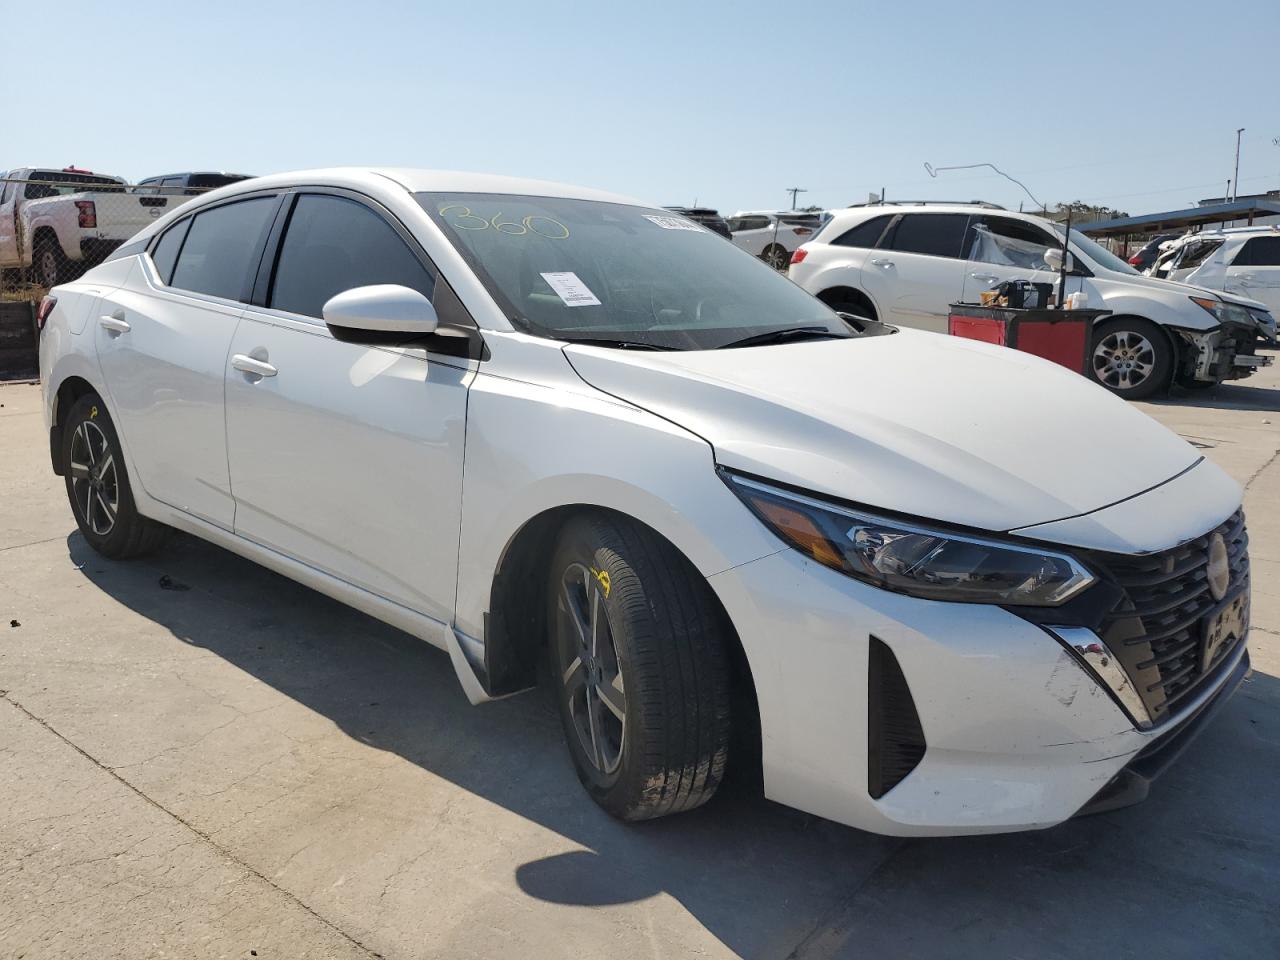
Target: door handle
252,366
985,277
881,262
114,324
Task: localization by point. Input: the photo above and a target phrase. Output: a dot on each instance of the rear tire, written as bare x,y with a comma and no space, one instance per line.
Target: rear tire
776,256
98,485
1131,357
639,667
50,266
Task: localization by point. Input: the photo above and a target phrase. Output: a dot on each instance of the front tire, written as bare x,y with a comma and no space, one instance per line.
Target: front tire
1131,357
98,485
640,669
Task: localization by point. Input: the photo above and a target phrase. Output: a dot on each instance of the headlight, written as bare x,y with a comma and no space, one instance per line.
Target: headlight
936,564
1224,312
1267,322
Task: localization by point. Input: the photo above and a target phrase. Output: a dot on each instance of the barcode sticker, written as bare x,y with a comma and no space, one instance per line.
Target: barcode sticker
570,289
674,223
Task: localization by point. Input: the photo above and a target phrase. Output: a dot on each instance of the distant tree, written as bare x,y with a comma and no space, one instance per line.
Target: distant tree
1082,212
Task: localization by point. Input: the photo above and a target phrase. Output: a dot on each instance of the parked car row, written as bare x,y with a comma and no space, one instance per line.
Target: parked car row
56,223
905,264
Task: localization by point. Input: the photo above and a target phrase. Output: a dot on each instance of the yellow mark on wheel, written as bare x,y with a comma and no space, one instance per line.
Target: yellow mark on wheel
93,414
602,578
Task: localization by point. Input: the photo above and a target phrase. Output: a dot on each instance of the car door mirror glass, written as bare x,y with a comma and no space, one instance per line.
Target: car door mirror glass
1053,259
370,314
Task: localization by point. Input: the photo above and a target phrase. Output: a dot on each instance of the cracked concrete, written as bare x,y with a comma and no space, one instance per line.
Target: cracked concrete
249,766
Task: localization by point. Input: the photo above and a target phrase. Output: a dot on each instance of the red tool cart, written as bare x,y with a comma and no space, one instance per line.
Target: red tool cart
1058,335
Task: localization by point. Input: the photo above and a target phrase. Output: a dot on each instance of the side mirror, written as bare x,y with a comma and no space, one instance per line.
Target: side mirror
1053,259
380,315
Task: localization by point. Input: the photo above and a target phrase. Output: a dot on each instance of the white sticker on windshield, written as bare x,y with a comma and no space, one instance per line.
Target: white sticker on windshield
570,289
674,223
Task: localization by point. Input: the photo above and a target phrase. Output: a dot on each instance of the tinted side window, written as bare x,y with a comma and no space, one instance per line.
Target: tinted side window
1194,254
333,244
1259,252
165,254
221,243
934,234
865,234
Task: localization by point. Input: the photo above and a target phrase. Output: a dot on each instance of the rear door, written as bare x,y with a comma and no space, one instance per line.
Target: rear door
348,457
1255,272
917,271
162,342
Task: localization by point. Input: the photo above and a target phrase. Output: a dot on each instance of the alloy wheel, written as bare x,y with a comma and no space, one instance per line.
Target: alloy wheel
49,268
95,483
1123,359
591,676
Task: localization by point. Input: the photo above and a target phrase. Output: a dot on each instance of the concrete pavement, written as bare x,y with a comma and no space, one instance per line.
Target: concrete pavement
240,765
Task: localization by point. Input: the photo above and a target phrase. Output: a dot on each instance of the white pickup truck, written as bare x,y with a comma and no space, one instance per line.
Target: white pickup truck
59,223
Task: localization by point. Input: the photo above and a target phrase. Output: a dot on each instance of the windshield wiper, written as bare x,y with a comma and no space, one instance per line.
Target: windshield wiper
782,336
619,344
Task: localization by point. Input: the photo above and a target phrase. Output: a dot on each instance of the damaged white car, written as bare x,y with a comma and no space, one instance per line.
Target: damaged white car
905,264
928,585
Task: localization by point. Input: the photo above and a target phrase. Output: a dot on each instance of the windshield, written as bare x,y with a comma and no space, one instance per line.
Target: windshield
1098,253
608,272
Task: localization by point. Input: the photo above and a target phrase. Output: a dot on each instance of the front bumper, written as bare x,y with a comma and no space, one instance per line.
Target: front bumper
1019,735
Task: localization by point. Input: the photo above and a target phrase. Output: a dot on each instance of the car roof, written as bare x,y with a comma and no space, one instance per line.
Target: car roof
1229,232
196,173
416,180
869,210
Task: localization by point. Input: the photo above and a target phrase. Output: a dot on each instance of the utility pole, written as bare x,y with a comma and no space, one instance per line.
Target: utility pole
794,191
1236,175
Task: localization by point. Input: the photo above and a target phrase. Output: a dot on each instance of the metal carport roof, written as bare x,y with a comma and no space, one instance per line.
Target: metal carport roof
1181,219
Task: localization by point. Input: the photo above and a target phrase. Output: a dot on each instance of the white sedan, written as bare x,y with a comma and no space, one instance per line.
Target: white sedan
928,585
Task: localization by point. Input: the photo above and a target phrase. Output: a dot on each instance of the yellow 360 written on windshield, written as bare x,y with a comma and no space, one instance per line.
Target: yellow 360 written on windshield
546,227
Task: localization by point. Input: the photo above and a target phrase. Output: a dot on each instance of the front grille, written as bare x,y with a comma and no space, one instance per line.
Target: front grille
1155,628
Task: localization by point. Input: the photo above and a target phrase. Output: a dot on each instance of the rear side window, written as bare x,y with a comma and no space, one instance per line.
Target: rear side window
165,255
334,244
865,234
1259,252
218,257
932,234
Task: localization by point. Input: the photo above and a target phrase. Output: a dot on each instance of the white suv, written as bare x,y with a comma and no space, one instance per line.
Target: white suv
1244,261
773,235
906,264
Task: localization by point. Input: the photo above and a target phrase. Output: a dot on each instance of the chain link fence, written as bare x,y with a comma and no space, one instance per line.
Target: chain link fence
56,224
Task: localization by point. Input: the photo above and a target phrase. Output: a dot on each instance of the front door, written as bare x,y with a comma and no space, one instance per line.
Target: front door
1002,248
162,345
347,457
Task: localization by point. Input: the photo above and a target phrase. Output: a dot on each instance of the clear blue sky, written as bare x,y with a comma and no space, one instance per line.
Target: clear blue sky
728,103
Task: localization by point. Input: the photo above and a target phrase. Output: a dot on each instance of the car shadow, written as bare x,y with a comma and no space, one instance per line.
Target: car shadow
765,880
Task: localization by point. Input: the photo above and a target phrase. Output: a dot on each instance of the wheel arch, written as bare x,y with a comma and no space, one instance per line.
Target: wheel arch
515,626
71,389
842,293
1170,339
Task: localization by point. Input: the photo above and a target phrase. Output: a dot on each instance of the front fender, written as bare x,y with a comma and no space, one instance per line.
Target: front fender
533,448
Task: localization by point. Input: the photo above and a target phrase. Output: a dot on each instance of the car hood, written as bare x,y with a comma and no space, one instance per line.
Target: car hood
1186,289
918,423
